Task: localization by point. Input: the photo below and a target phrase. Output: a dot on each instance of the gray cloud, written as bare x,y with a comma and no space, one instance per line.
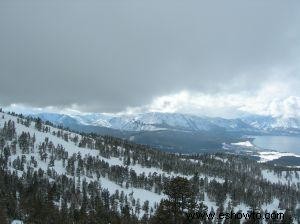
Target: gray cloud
107,55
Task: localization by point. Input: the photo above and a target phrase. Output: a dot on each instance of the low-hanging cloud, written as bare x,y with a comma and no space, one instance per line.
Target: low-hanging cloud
274,100
107,56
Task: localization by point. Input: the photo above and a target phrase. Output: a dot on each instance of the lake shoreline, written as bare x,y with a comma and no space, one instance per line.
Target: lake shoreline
283,144
272,154
249,147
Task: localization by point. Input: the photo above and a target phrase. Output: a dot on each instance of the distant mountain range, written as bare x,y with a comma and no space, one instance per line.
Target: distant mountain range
274,125
174,131
174,121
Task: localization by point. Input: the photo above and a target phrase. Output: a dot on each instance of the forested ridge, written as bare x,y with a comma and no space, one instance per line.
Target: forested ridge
49,174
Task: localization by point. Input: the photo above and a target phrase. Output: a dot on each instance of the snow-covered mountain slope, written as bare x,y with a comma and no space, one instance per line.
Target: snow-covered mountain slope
274,124
72,149
150,122
119,166
174,121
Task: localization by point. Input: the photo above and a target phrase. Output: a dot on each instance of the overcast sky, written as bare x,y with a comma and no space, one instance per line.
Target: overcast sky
133,56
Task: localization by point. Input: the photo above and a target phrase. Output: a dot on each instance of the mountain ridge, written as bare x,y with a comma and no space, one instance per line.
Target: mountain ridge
156,121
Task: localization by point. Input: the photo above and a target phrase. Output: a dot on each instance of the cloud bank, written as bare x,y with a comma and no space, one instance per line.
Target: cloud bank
273,100
108,56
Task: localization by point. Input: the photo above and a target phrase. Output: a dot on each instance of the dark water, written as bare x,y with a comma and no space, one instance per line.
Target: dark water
279,143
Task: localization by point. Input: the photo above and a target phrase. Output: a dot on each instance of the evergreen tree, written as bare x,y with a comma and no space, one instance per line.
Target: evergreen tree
38,124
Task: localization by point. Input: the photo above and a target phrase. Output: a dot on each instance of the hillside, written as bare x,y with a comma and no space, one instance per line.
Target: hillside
49,172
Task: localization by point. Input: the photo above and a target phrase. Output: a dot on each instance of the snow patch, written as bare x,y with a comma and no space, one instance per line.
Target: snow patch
16,222
244,144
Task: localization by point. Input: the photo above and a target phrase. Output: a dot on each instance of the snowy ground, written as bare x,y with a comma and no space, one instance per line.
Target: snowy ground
244,144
